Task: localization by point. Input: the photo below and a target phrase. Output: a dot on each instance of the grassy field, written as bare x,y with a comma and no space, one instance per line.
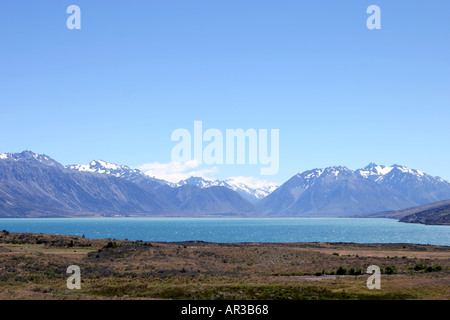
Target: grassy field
33,266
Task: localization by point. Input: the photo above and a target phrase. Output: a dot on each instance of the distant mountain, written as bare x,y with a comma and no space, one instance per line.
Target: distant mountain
34,185
118,171
251,191
31,158
195,201
215,200
416,185
339,191
247,189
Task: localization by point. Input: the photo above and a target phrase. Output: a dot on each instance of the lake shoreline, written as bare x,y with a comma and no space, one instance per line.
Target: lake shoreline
238,230
398,219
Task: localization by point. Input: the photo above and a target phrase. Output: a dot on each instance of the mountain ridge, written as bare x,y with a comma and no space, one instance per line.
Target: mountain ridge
31,184
34,185
250,193
339,191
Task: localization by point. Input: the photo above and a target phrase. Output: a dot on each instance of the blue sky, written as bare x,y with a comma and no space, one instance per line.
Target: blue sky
339,93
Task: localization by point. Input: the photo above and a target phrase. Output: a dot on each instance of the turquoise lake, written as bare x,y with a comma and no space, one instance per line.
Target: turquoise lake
228,230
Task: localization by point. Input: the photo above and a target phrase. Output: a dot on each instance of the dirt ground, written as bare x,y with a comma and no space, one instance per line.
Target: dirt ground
34,266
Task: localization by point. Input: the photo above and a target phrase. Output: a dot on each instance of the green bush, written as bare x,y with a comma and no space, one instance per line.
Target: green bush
341,271
419,267
390,270
110,245
355,272
424,268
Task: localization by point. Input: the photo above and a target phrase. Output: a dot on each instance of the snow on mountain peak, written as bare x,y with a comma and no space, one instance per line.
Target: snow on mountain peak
374,170
100,166
329,171
198,182
259,188
314,173
407,170
28,155
250,188
378,172
111,166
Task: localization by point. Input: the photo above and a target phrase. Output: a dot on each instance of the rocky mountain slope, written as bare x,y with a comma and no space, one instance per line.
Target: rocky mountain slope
339,191
34,185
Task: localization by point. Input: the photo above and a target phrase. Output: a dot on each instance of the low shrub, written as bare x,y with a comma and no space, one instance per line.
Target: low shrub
341,271
419,267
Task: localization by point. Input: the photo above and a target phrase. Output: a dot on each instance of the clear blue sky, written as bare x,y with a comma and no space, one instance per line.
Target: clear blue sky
340,94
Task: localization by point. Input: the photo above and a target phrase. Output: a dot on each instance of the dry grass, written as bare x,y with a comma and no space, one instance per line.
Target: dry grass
33,266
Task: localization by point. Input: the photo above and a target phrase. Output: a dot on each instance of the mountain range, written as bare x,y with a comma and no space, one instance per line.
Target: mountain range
33,185
339,191
249,191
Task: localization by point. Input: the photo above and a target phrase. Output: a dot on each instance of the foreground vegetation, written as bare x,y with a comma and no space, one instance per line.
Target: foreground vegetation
33,266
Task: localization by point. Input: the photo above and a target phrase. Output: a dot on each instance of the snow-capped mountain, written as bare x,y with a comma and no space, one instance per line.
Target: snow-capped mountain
36,185
416,185
337,191
100,166
249,188
30,156
119,171
379,172
33,185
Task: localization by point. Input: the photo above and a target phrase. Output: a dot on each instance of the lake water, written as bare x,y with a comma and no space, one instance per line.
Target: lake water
238,229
